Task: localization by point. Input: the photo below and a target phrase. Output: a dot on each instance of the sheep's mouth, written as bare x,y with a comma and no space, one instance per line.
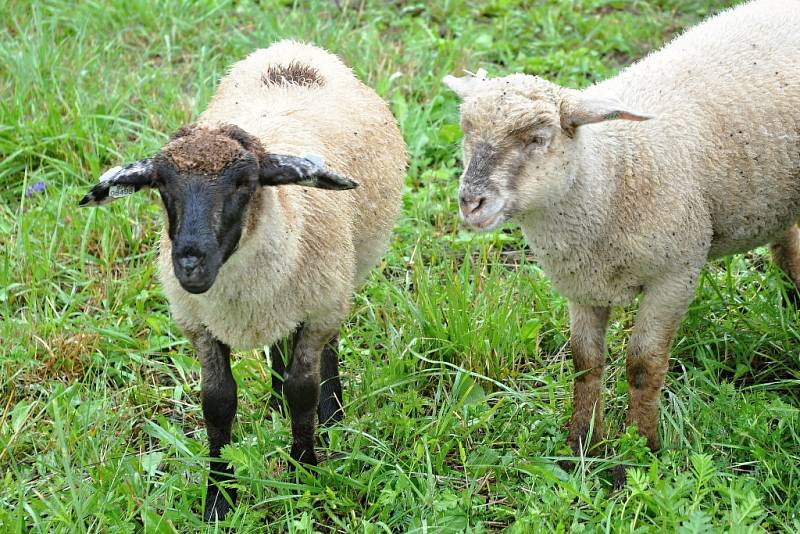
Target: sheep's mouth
489,223
198,280
195,285
486,220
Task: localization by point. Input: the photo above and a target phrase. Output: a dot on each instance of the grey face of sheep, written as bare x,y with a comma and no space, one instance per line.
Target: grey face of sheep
208,180
519,134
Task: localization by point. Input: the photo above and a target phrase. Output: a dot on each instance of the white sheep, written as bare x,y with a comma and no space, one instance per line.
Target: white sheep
613,208
245,265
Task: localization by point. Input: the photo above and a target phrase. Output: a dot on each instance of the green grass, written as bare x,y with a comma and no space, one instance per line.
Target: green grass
457,377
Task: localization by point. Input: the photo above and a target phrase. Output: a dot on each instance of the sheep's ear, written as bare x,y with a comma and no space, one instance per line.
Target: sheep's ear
120,182
464,86
309,170
580,110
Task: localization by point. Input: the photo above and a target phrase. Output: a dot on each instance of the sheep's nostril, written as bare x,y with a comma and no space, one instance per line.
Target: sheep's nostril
189,264
472,204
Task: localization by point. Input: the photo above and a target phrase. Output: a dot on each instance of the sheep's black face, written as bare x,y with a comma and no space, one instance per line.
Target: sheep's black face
204,219
207,178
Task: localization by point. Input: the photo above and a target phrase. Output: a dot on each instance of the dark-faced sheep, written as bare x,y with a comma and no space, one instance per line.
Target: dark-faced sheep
257,249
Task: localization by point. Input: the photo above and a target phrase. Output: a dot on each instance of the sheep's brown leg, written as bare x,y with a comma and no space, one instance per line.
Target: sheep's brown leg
786,254
218,395
646,368
302,390
588,344
660,312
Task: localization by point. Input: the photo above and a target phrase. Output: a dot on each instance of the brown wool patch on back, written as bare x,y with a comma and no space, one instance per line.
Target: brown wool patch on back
202,152
293,74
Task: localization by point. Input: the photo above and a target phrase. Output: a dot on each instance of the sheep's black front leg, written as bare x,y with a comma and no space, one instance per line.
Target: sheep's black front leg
330,402
302,390
219,408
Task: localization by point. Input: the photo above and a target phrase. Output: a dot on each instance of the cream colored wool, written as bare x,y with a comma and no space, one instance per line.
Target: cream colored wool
303,251
615,208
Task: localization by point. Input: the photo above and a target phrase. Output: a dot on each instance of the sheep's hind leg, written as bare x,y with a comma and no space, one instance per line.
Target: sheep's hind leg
588,326
786,254
279,355
302,390
330,402
218,393
661,310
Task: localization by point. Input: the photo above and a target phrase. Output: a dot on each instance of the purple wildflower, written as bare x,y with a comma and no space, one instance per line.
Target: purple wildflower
38,187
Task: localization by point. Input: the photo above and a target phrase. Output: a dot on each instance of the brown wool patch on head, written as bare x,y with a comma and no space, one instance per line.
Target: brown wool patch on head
293,74
202,151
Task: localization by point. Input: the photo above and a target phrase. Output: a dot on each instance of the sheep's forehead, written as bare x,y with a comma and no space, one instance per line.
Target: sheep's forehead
202,152
500,112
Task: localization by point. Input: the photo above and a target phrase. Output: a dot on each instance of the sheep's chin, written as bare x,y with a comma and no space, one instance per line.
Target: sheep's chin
195,289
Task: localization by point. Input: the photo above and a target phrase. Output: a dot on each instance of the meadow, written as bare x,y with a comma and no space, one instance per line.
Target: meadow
455,362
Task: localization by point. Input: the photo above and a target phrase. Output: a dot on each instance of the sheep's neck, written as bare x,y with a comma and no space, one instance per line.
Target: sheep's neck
582,216
269,248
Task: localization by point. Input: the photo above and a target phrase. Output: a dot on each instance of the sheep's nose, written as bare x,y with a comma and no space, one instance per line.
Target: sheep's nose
471,204
189,264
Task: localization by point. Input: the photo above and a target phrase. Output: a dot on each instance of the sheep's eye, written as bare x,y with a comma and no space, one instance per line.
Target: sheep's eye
246,184
243,180
537,141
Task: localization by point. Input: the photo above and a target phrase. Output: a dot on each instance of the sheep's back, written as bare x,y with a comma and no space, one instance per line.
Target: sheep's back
299,98
726,95
303,250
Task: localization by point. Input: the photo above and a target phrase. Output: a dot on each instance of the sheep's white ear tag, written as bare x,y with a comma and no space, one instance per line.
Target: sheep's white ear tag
117,190
316,159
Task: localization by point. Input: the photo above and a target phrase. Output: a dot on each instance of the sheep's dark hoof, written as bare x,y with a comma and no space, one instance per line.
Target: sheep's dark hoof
217,506
793,297
618,478
567,465
576,444
576,439
303,455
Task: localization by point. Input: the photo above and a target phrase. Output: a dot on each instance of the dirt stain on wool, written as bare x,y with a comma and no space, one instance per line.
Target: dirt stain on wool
294,73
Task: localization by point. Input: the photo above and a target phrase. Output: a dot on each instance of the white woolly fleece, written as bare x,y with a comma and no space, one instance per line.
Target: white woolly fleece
306,249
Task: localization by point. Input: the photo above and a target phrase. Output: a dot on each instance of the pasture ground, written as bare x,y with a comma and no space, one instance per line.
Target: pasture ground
456,372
